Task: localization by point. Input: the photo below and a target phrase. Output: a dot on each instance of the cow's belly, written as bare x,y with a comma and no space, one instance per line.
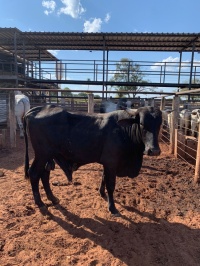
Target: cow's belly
130,166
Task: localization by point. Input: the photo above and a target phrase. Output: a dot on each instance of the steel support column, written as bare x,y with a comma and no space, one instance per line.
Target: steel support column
179,69
40,66
103,68
107,72
24,65
191,69
15,58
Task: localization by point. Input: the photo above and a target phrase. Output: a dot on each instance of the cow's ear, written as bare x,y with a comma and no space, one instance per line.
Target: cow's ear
127,122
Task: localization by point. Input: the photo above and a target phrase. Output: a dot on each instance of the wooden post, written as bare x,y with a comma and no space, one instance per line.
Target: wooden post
146,103
152,103
12,119
197,166
162,104
90,103
176,143
174,122
72,104
3,139
4,131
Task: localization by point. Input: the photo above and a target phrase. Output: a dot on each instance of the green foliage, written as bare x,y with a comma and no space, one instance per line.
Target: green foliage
67,92
82,94
127,71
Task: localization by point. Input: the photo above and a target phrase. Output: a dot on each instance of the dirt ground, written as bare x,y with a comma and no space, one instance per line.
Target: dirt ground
159,223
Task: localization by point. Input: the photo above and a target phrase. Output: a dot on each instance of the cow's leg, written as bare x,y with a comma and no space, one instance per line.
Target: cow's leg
102,186
19,121
46,185
110,180
35,172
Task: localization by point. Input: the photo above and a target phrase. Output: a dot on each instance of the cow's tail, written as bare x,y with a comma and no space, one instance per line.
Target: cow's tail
26,165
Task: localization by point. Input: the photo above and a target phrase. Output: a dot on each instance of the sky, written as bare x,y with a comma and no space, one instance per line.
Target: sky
132,16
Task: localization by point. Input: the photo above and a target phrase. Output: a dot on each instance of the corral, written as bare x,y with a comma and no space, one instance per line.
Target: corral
160,208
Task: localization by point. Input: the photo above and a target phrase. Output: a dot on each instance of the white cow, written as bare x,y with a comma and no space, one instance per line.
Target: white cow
22,105
166,117
195,119
185,118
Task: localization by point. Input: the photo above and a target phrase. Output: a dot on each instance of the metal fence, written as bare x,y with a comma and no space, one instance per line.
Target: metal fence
78,71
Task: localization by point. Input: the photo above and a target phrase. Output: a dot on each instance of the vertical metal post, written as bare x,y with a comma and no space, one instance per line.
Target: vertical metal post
161,75
195,71
104,68
40,66
164,73
179,69
106,73
15,56
24,65
94,70
128,71
191,69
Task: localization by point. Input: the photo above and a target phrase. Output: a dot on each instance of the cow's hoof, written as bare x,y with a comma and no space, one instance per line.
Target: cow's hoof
44,210
102,194
116,214
55,200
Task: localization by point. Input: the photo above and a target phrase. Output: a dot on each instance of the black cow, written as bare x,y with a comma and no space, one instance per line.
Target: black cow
117,140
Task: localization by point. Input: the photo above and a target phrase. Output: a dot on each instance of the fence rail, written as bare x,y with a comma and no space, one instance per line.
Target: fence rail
68,71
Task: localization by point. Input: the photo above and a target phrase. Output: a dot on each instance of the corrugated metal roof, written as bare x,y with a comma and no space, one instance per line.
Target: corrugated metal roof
25,49
43,41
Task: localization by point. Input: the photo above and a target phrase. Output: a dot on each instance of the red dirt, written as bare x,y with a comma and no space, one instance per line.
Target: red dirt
159,223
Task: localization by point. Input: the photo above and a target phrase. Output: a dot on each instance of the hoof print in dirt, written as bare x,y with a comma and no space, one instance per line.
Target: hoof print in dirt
77,183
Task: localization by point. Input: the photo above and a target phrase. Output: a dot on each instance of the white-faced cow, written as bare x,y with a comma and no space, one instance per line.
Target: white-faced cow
117,140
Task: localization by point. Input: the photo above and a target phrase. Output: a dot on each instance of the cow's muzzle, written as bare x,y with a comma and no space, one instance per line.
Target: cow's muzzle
152,152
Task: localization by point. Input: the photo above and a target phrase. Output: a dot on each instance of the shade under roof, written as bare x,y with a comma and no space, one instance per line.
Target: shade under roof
35,45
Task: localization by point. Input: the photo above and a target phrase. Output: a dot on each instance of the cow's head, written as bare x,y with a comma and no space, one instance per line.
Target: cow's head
150,120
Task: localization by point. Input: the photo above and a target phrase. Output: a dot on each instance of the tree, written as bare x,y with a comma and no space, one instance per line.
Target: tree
127,71
67,92
82,94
